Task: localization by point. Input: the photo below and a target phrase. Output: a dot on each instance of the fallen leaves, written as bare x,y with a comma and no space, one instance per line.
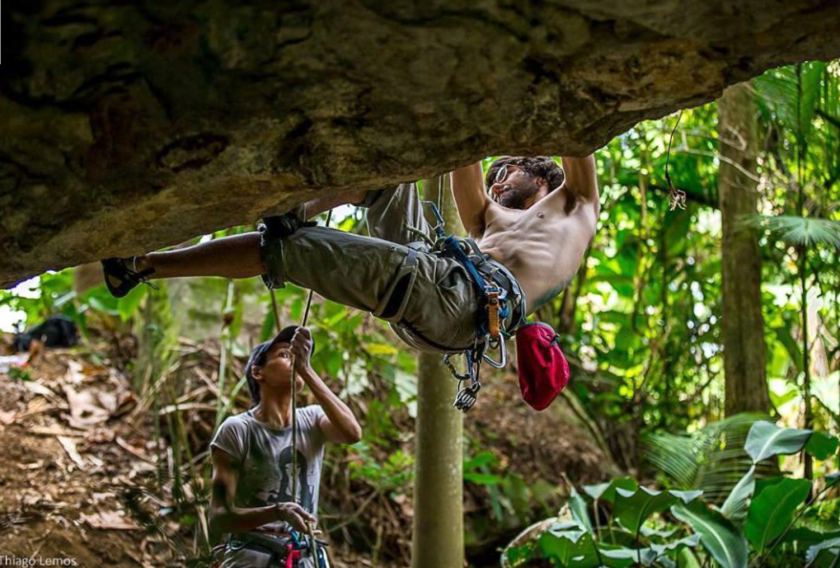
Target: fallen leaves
109,520
69,446
86,408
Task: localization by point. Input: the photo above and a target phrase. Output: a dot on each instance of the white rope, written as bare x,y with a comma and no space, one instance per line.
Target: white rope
313,544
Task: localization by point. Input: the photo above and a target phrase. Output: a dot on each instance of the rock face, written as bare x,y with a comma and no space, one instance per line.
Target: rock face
130,126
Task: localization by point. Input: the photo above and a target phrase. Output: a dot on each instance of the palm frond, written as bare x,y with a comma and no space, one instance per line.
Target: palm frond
675,455
778,91
712,459
798,231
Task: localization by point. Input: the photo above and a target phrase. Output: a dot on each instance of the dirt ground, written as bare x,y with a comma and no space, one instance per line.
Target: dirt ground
68,456
79,485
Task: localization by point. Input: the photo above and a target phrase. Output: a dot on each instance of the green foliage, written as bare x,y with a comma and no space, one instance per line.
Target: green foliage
53,293
723,541
767,440
779,98
607,491
772,510
822,446
756,520
393,474
712,459
799,231
632,508
737,504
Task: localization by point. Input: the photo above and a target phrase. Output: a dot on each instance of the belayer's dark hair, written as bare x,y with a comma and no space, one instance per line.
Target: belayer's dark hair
259,355
536,166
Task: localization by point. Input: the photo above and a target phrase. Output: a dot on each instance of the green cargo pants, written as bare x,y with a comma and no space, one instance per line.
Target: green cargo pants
428,300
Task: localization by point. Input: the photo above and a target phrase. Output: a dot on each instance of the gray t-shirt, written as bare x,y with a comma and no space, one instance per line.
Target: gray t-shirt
263,457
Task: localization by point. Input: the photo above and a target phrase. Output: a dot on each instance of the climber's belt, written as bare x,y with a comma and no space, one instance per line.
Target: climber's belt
495,273
497,277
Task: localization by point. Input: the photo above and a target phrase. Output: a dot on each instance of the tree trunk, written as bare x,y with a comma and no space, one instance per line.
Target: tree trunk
743,324
438,532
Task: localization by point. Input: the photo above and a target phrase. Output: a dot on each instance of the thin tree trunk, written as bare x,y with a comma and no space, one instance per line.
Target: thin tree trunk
438,531
803,273
743,324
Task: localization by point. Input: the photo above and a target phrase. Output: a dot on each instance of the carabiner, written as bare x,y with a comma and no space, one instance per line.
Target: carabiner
500,364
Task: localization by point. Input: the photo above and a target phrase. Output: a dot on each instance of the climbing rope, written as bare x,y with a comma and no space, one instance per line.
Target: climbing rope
676,197
311,530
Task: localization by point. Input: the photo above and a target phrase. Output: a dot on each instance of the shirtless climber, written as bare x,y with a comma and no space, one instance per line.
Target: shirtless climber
531,221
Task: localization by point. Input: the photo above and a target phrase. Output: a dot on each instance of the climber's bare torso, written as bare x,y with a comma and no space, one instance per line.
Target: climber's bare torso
542,244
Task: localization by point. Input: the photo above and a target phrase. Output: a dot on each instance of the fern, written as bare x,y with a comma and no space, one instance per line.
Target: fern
777,92
712,459
798,231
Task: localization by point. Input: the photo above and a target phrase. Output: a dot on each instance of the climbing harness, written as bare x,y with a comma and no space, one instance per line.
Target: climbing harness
285,551
490,336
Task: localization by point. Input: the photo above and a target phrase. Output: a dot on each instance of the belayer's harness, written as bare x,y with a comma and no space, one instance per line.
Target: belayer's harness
286,551
490,334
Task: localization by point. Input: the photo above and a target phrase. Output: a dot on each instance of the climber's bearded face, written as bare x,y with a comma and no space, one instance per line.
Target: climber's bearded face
516,189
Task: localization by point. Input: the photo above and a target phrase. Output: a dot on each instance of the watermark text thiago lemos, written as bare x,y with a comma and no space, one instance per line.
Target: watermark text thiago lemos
33,561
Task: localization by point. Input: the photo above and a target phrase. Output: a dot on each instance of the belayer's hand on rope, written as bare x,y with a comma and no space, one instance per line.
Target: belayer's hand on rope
295,515
302,349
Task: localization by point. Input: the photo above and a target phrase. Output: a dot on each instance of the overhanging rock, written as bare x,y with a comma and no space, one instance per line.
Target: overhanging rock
128,127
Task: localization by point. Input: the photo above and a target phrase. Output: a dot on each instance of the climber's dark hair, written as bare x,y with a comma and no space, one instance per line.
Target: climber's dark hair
536,166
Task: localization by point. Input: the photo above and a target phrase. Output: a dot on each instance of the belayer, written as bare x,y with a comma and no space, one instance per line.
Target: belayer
266,479
529,221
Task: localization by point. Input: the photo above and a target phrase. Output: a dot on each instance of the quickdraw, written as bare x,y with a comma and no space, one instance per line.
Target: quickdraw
490,335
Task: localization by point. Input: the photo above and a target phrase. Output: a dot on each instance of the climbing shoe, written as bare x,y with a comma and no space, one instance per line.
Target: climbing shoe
120,279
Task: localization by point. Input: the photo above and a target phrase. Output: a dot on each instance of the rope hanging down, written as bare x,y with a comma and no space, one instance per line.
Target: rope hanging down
311,530
676,197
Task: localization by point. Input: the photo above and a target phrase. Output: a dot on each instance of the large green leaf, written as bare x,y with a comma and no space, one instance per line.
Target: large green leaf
606,491
805,537
569,546
662,549
577,505
767,440
633,507
628,556
772,510
821,445
737,505
515,556
687,559
719,536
